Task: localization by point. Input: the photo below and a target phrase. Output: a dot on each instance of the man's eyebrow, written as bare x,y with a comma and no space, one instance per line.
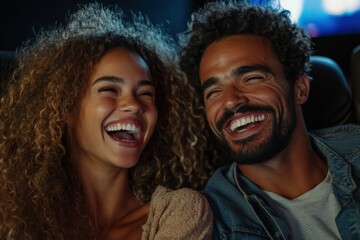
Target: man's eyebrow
208,83
238,71
253,68
120,80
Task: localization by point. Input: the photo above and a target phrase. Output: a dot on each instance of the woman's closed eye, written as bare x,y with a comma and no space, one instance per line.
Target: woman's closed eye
110,89
148,92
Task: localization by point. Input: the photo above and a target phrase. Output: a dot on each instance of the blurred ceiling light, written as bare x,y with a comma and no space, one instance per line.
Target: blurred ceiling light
339,7
295,8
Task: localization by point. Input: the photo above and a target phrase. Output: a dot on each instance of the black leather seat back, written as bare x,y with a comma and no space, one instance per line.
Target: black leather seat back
330,100
355,81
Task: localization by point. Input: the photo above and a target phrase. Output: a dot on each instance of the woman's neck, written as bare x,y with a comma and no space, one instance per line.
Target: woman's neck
110,200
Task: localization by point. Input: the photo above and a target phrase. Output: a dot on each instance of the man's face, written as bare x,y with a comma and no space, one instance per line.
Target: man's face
248,102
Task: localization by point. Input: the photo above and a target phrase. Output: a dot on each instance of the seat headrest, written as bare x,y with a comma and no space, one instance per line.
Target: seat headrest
330,98
7,64
355,80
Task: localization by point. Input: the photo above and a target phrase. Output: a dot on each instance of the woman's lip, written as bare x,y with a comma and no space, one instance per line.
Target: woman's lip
128,127
125,124
133,126
126,142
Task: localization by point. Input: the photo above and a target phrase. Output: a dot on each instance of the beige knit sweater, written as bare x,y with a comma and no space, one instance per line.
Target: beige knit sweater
180,214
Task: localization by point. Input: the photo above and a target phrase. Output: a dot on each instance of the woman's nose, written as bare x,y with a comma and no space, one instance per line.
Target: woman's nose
129,103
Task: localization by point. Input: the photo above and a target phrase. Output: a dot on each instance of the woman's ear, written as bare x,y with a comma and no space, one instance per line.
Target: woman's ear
302,89
69,119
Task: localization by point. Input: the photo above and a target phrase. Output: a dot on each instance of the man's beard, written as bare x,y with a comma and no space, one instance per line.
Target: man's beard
279,138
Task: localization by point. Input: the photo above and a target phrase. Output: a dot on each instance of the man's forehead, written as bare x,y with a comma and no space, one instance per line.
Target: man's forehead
233,52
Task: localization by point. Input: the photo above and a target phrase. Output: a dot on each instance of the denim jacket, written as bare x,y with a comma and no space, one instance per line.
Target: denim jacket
241,209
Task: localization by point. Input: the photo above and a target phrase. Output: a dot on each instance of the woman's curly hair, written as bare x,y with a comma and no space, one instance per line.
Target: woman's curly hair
40,194
217,20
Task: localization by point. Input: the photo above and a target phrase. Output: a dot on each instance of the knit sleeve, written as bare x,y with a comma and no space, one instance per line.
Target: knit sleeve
179,214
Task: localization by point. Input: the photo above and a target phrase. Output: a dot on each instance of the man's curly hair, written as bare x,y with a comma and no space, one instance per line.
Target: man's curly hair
40,194
217,20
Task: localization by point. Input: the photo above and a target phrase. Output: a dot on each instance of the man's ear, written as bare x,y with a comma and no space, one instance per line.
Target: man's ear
302,89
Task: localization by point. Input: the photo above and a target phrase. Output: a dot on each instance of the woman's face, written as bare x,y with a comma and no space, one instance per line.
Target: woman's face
118,114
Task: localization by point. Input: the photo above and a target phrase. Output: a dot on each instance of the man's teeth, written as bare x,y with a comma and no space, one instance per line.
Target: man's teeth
130,128
243,121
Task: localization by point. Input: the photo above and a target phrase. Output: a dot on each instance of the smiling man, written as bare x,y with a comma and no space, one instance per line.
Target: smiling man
250,66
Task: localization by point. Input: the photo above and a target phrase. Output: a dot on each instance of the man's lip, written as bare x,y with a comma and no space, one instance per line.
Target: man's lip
241,111
232,133
245,120
242,120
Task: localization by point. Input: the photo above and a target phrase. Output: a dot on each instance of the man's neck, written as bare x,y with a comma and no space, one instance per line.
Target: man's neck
292,172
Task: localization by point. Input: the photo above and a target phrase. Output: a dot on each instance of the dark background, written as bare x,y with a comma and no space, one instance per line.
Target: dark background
20,19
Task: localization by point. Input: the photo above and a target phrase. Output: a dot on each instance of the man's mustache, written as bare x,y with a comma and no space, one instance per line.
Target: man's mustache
242,109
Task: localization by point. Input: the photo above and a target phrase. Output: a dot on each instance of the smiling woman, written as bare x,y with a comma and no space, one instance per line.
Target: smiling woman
117,115
96,136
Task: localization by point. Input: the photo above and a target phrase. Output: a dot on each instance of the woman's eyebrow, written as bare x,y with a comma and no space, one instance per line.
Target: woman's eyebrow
120,80
145,82
108,79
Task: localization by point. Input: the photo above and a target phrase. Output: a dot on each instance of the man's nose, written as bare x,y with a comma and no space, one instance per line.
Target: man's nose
233,97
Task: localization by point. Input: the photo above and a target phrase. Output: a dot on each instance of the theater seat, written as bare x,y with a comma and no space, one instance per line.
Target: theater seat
355,81
330,100
7,64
